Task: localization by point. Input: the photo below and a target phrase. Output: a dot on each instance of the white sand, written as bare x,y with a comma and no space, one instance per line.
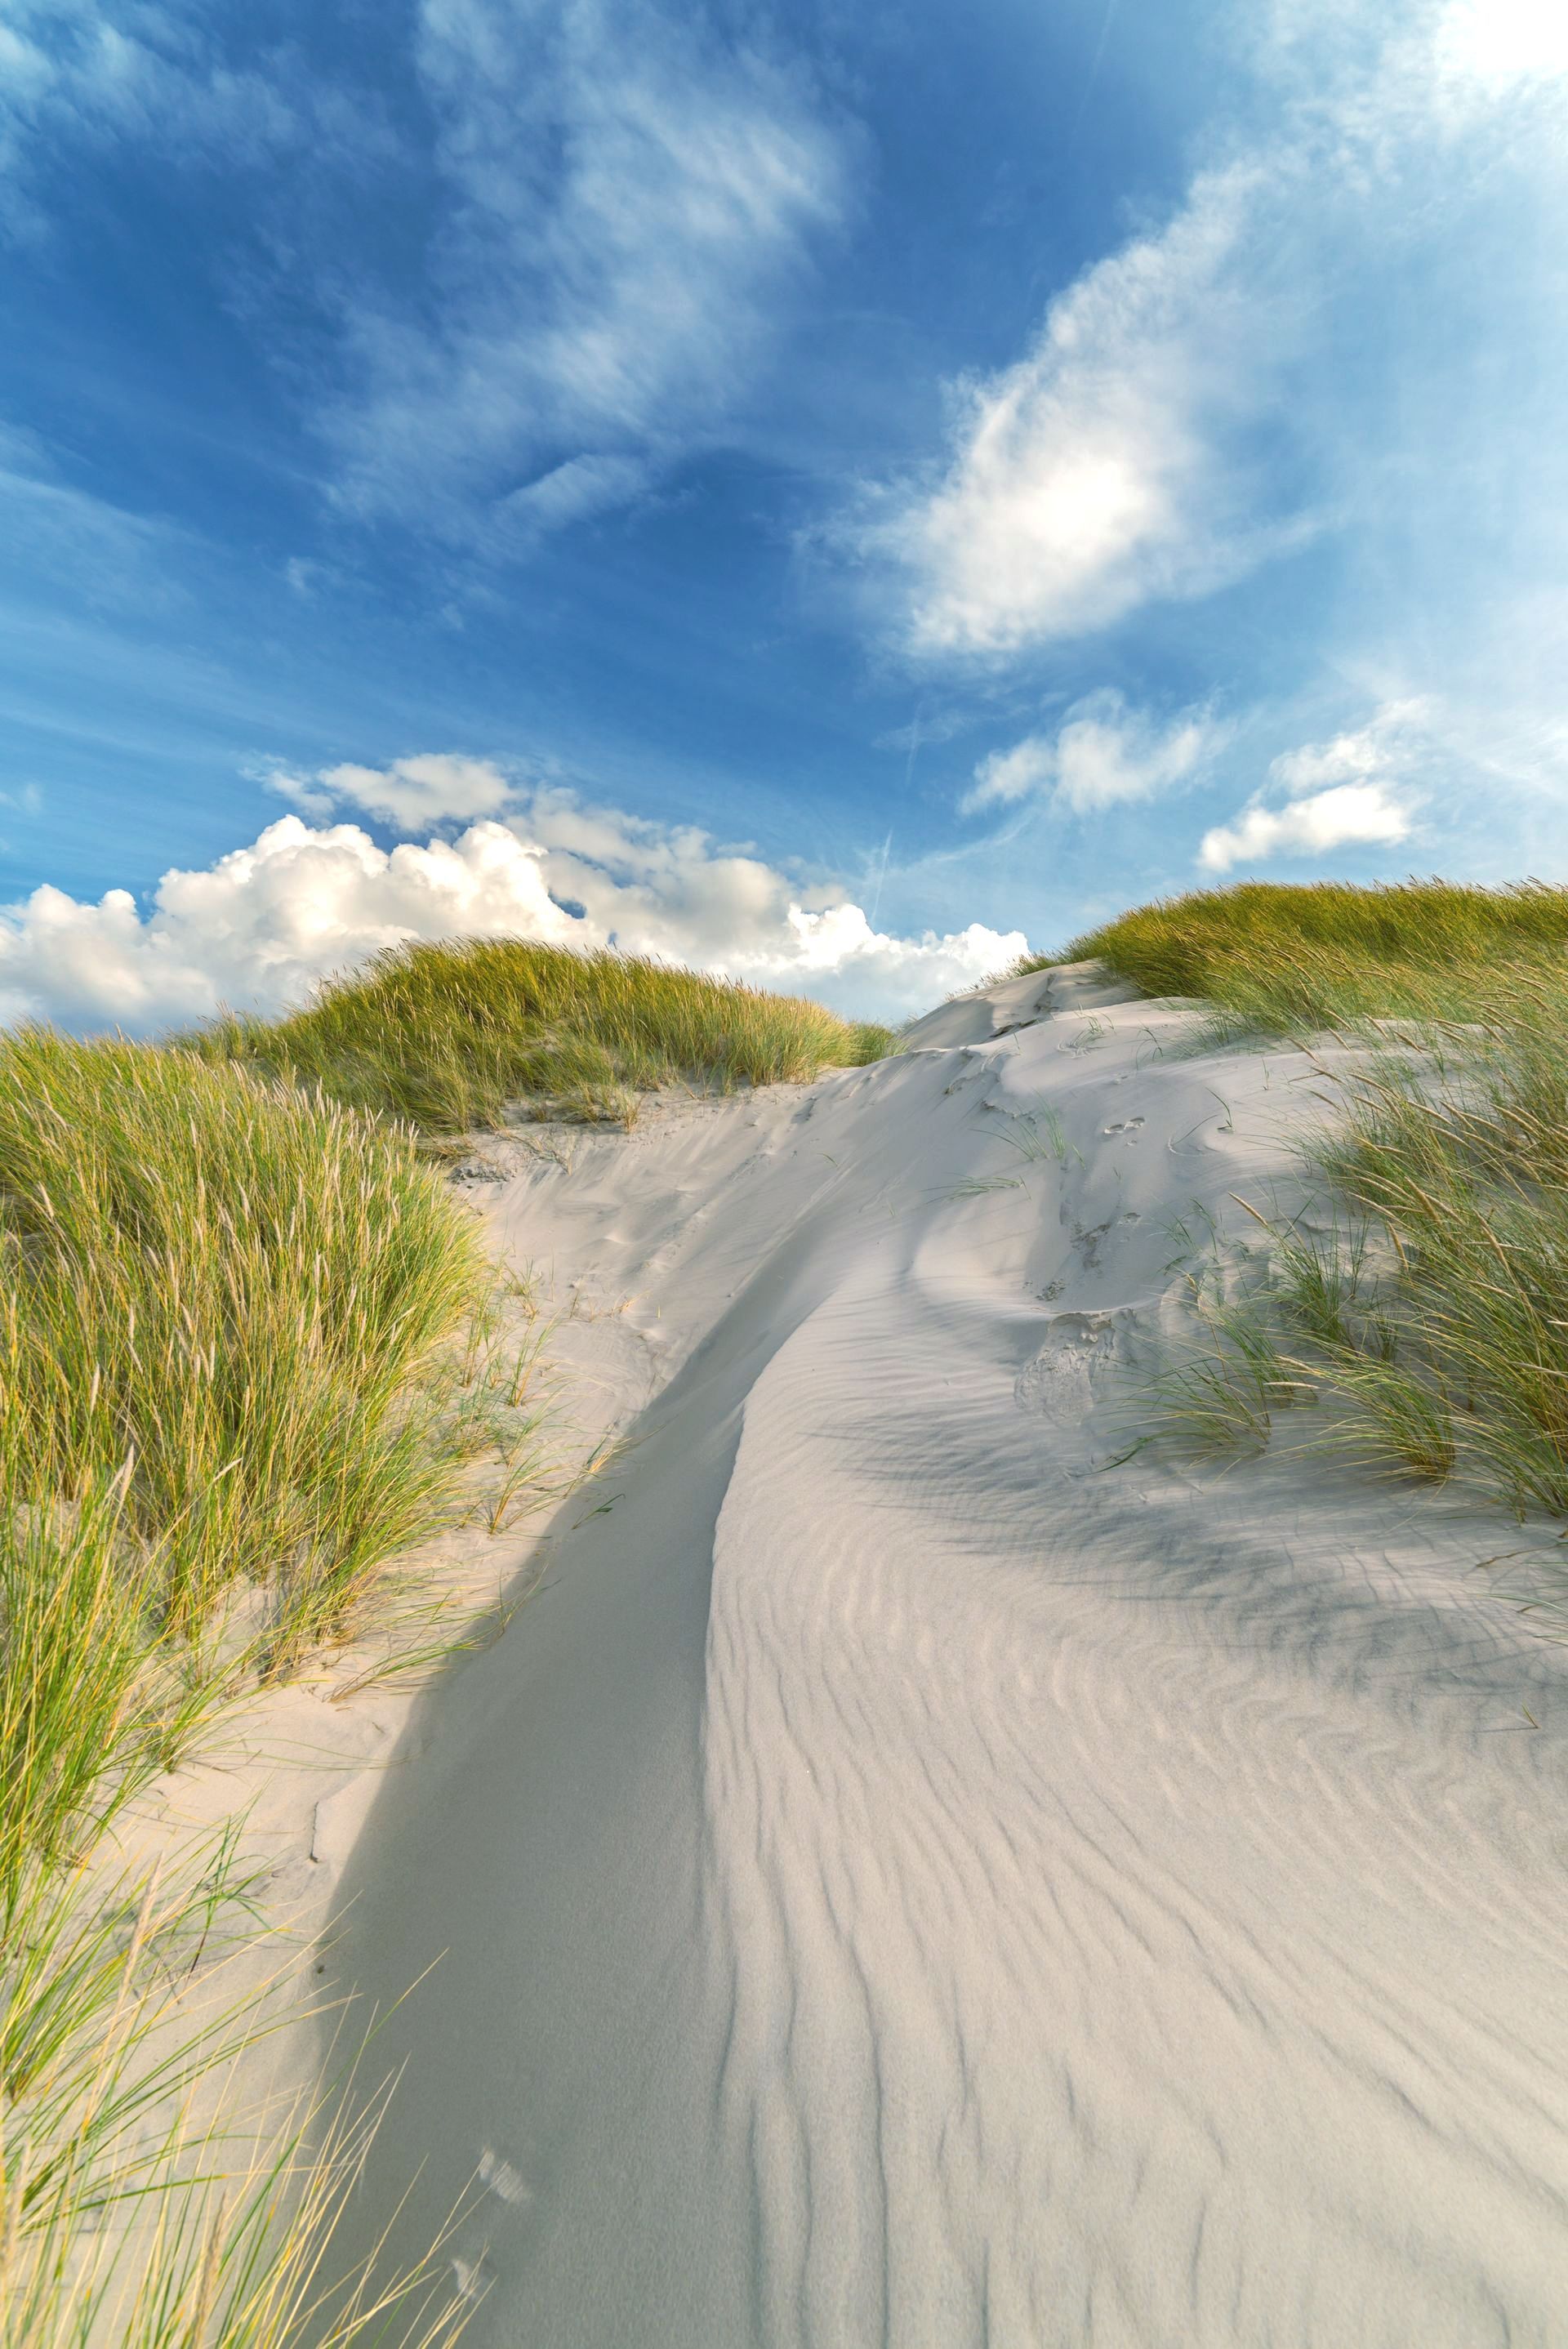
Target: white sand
904,1883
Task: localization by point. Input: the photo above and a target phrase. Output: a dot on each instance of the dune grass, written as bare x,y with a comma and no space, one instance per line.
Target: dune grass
146,2201
1423,1292
232,1328
452,1036
1298,960
223,1324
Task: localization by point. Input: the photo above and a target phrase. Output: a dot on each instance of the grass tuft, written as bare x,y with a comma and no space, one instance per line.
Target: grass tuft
1299,960
142,2204
224,1322
231,1361
452,1036
1433,1310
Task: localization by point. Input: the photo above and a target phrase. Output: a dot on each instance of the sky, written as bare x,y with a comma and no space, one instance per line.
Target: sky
832,493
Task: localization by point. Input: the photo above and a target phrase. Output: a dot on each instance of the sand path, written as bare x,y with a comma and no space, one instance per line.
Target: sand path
903,1882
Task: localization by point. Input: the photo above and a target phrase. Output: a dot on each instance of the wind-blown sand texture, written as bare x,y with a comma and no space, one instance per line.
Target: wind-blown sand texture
904,1881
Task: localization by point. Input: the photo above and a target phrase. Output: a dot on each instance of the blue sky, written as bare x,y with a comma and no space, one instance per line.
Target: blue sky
829,493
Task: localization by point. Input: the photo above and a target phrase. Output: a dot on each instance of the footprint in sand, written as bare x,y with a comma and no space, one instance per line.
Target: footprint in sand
1060,1383
502,2178
473,2278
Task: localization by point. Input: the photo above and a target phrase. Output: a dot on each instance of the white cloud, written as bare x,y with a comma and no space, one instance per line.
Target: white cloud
101,555
630,191
1386,745
574,492
1349,792
1104,755
1359,815
1088,477
1006,775
1502,42
616,198
102,71
414,794
1174,421
263,924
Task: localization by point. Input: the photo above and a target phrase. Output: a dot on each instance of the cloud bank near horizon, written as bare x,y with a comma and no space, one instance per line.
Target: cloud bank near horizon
260,929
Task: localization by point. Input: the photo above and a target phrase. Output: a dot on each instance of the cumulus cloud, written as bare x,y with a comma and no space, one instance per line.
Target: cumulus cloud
265,923
1349,792
631,191
415,794
1501,42
1157,438
1103,755
1358,814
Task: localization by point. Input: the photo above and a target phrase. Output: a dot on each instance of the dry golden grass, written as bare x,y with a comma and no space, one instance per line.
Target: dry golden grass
1434,1315
231,1352
452,1036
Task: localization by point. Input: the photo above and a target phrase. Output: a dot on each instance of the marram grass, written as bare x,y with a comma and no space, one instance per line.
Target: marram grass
224,1312
1429,1306
452,1036
1294,960
231,1327
145,2200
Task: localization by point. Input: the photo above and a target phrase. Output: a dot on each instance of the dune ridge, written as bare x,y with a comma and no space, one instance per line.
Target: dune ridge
906,1879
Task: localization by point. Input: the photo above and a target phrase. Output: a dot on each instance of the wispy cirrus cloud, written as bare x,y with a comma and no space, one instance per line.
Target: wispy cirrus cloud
618,202
1178,417
632,194
98,553
170,76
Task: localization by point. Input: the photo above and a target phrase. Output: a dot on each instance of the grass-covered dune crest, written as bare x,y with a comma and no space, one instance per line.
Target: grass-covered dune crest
1426,1294
1289,958
451,1036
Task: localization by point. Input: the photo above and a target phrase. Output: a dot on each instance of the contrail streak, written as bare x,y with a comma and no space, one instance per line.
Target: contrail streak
881,876
1107,21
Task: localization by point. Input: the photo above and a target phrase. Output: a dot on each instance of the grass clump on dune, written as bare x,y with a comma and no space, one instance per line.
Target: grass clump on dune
1451,1349
146,2202
451,1036
1424,1293
222,1329
1292,960
230,1361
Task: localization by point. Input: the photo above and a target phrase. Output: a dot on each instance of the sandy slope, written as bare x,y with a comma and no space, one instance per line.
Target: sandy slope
903,1882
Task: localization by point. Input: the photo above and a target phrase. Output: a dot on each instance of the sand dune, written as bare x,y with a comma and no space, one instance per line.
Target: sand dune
904,1881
